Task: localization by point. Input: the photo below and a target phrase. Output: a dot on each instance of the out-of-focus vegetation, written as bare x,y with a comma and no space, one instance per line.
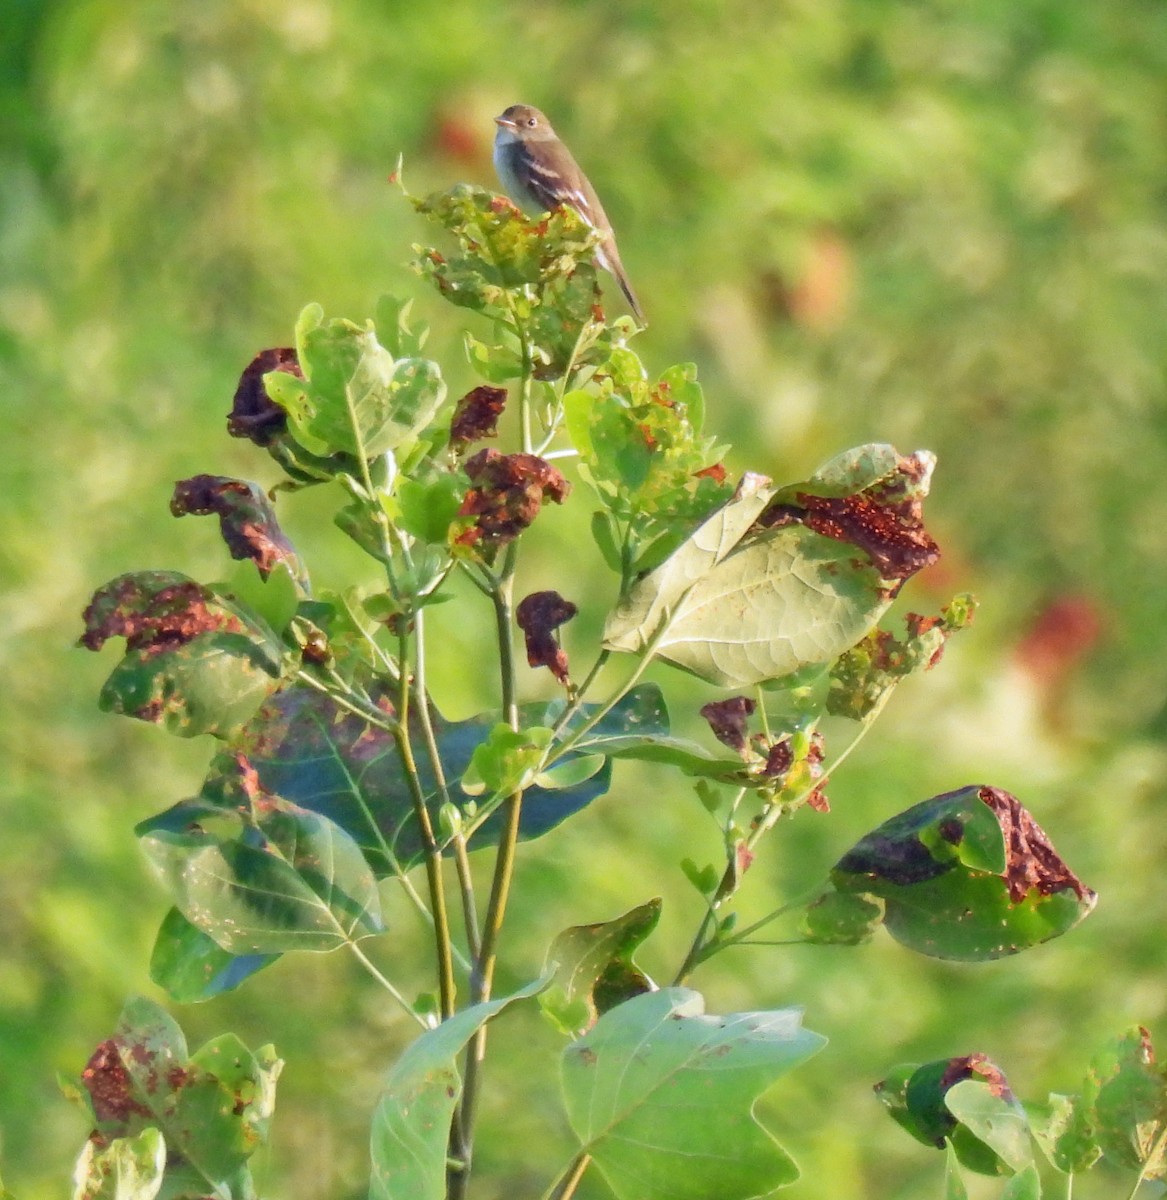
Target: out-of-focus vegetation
927,223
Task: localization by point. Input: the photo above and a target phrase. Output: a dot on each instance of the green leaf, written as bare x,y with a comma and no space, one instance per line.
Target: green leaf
284,879
213,1108
1026,1185
1128,1090
661,1096
506,762
954,1188
429,506
191,966
129,1168
992,1114
854,470
593,970
690,757
571,772
411,1126
194,663
355,397
274,599
394,329
737,604
495,363
966,875
1065,1132
640,444
842,918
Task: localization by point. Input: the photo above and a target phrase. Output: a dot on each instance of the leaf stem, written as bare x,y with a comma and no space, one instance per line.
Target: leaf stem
433,854
371,967
564,1187
461,854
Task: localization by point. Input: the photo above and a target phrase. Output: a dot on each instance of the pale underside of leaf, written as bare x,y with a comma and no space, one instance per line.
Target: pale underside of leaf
787,599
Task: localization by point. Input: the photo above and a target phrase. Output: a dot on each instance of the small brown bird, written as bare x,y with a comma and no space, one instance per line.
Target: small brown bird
539,173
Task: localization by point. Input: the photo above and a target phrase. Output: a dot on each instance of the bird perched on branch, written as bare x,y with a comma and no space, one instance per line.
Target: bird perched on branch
539,173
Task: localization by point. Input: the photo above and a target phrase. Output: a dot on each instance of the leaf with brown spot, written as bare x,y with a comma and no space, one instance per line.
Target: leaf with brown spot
593,970
507,491
194,662
966,875
729,720
213,1108
254,414
476,415
247,521
538,616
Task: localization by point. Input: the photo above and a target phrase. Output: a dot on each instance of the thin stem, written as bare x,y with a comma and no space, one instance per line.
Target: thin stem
564,1187
581,691
433,854
702,946
366,712
504,865
369,966
461,854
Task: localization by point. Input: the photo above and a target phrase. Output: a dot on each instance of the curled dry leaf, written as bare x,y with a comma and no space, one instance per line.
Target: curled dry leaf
476,415
538,616
729,720
508,491
884,521
246,519
254,414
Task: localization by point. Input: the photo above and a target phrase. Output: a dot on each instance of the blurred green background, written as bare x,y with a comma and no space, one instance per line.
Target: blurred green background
925,222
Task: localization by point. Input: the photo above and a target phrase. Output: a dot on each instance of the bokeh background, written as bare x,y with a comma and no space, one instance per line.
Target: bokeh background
936,224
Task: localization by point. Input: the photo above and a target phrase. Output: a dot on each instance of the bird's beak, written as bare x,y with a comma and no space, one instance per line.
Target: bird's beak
505,122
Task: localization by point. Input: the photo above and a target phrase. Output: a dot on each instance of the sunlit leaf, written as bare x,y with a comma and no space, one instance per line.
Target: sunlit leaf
592,968
213,1108
411,1125
355,397
966,875
289,879
129,1168
661,1096
992,1114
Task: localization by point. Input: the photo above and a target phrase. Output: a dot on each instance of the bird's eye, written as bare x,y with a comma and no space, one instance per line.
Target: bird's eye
532,122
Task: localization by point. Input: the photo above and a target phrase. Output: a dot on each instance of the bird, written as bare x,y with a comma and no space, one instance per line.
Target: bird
538,173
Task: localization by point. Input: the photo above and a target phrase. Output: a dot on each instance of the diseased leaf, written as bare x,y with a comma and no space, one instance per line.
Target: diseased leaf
194,663
247,521
1127,1091
411,1126
277,878
129,1168
1064,1130
213,1109
966,875
661,1096
592,968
